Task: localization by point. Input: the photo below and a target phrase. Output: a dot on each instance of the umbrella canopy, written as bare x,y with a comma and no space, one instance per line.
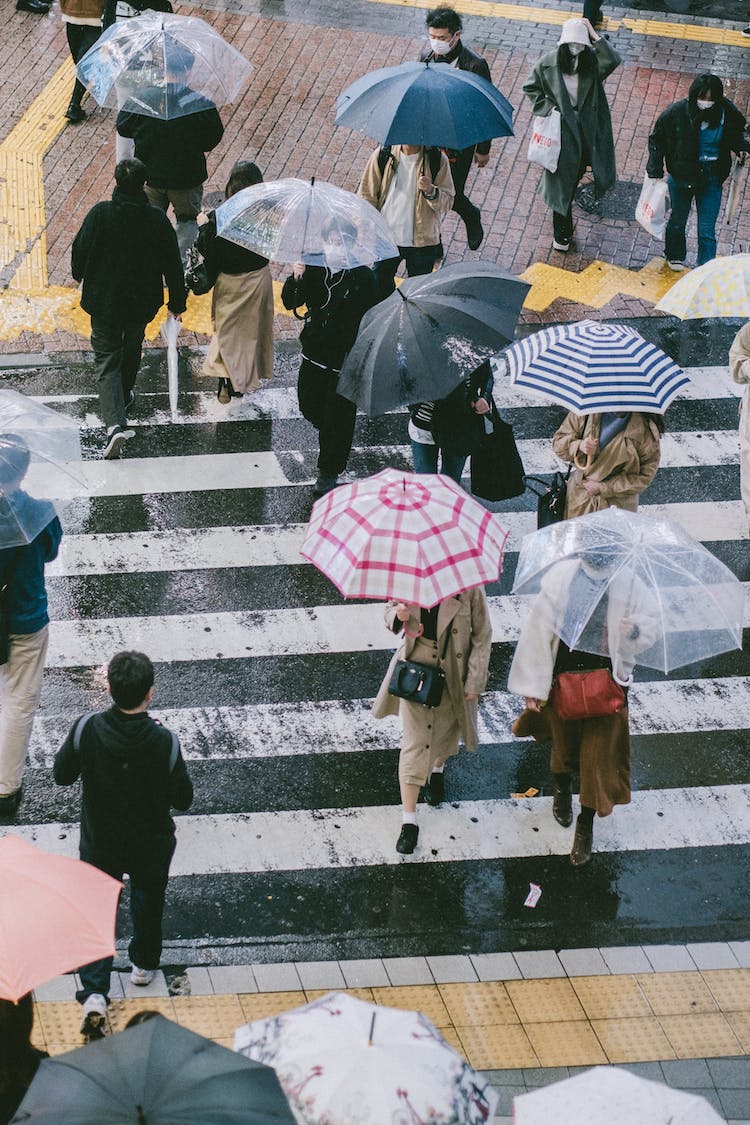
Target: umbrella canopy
77,902
308,221
425,104
21,516
50,436
156,1071
420,342
170,330
720,288
616,1096
340,1054
683,605
164,66
416,538
591,367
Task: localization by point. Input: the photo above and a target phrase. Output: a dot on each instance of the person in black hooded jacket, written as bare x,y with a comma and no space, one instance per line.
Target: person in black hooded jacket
124,252
133,774
695,137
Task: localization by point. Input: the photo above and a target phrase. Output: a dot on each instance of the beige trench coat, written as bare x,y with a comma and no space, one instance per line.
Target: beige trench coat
428,213
466,663
739,369
625,466
241,348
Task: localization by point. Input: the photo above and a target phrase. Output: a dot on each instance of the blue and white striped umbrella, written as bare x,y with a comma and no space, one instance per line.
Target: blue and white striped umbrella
591,367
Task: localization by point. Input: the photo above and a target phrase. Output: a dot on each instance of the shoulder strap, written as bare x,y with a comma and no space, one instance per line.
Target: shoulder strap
174,752
435,157
79,729
384,155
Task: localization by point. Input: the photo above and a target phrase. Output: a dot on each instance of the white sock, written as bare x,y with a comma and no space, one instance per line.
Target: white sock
408,818
111,430
438,769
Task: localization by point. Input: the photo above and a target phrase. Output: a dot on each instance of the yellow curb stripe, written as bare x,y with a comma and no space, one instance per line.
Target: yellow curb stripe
596,285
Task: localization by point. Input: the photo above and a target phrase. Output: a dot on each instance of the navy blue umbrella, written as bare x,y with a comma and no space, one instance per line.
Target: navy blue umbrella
425,104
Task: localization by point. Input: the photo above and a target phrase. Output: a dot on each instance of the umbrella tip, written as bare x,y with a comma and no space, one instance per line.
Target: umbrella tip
372,1029
403,298
312,181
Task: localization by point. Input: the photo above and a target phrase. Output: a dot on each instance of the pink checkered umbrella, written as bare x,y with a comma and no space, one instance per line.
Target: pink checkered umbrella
417,538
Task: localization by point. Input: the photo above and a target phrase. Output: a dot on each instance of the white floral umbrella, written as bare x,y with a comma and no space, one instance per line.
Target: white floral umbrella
343,1061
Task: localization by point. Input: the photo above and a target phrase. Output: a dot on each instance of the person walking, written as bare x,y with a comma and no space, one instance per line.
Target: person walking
83,26
25,603
615,457
240,353
695,137
739,369
118,11
445,432
412,188
335,304
457,635
571,79
444,29
123,254
174,151
133,773
596,747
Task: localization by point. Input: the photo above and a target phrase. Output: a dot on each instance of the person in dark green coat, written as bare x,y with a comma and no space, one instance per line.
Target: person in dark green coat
571,80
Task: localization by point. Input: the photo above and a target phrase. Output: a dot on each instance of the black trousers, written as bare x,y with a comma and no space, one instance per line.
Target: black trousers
460,168
80,38
332,415
117,356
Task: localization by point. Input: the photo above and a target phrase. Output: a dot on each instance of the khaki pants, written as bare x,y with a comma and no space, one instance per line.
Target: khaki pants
20,688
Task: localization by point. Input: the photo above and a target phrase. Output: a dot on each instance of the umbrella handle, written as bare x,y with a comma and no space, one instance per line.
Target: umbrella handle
583,465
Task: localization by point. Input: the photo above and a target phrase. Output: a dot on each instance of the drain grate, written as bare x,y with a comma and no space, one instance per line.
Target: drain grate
618,203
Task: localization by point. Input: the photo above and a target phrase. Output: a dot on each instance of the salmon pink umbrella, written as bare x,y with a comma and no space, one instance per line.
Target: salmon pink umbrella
56,913
418,538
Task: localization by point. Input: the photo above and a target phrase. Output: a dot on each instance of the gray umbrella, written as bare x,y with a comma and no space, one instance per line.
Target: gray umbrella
420,342
154,1072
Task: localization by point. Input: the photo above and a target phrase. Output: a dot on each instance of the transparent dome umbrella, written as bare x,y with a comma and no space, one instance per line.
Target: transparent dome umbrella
164,66
308,221
425,104
684,605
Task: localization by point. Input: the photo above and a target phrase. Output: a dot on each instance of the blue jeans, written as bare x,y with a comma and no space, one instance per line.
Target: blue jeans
706,191
425,459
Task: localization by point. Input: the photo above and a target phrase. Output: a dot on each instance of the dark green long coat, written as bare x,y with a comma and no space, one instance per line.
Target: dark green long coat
546,89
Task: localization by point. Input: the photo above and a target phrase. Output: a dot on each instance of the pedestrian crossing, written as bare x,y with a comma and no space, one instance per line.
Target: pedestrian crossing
189,549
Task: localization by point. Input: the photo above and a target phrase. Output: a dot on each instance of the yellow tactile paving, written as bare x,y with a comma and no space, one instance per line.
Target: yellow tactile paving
702,1036
475,1005
360,993
597,284
216,1017
606,998
424,998
636,1039
60,1021
571,1043
120,1011
730,988
503,1047
544,1001
261,1005
740,1025
671,994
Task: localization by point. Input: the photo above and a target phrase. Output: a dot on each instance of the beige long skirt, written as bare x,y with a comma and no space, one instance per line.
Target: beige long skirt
241,347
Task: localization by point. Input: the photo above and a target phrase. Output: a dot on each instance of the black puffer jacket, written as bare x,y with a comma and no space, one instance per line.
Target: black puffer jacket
674,140
174,151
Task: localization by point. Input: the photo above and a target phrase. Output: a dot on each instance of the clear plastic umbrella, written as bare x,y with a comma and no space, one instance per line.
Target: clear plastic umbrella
308,221
170,330
668,600
164,66
50,436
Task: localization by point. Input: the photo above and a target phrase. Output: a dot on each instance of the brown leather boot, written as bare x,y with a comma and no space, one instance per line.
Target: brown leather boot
562,805
583,841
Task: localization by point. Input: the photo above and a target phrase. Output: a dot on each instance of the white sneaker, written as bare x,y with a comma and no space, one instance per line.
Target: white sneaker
93,1024
115,441
563,247
142,977
678,267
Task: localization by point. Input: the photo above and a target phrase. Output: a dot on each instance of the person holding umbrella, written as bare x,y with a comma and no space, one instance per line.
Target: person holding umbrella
570,79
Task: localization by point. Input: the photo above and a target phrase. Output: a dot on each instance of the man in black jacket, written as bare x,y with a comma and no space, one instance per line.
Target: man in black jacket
123,253
695,137
133,774
444,28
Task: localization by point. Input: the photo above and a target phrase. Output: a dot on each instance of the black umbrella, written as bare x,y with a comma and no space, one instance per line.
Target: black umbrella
418,344
154,1072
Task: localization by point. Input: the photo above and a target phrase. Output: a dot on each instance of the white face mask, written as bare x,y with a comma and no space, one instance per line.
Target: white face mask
704,104
440,46
576,49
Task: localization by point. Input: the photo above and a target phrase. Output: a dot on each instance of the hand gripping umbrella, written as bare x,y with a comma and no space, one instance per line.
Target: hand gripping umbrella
308,221
163,65
425,104
420,342
720,288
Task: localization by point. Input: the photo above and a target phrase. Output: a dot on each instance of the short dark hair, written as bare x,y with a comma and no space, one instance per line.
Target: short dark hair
130,175
130,676
244,174
446,19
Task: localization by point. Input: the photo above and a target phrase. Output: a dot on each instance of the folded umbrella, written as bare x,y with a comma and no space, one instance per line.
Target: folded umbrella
170,330
719,288
420,342
589,367
425,104
418,538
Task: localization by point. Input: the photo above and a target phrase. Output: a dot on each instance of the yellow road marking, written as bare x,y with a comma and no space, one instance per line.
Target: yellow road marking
596,285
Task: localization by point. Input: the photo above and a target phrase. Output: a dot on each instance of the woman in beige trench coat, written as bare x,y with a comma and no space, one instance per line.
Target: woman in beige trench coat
460,625
597,748
611,469
739,369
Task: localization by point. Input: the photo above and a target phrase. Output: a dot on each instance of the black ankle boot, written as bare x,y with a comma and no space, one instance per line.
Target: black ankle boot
562,804
434,793
583,841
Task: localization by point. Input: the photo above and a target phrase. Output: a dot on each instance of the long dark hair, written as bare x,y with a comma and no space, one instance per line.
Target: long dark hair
706,85
567,61
244,174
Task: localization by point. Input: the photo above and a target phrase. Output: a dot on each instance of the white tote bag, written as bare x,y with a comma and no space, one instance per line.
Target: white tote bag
544,146
651,209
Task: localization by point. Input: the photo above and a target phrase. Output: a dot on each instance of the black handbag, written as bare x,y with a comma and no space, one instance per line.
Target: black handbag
419,683
496,467
550,506
197,278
